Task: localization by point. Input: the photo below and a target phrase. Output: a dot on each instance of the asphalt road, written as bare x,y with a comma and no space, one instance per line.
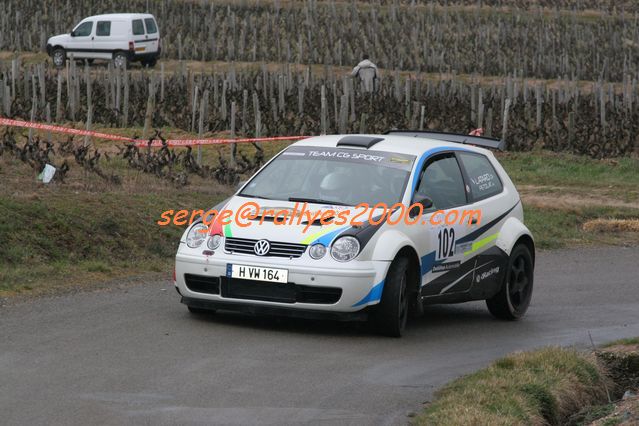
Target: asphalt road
134,355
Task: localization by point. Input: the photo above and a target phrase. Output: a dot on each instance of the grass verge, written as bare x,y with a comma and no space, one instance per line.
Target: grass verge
545,386
64,235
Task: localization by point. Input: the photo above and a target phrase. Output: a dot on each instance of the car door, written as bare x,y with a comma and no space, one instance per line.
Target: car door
81,43
102,41
489,196
152,38
139,36
443,268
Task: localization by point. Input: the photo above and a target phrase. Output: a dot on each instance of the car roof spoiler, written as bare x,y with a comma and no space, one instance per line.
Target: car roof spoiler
481,141
359,141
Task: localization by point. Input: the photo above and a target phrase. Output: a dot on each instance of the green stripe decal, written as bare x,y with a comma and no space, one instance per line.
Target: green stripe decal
481,243
318,234
227,230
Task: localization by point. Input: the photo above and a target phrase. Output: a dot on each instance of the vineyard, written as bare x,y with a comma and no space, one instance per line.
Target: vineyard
537,76
532,41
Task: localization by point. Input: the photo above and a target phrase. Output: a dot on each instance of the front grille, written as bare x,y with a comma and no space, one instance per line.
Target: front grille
202,283
278,249
235,288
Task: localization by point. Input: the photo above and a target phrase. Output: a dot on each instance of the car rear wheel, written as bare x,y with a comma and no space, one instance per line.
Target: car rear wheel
120,60
59,57
513,299
391,314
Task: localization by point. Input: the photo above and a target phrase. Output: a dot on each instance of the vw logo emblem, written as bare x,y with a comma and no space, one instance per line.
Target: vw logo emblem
262,247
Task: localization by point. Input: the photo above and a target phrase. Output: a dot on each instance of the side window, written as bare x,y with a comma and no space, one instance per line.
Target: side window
84,29
151,28
103,28
484,181
138,27
442,181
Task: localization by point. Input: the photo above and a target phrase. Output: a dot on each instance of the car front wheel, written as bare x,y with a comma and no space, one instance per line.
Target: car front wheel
59,57
391,314
513,298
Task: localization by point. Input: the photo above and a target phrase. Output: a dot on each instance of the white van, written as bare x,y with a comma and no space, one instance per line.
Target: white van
120,37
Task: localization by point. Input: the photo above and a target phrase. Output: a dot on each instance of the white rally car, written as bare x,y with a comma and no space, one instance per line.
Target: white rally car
383,270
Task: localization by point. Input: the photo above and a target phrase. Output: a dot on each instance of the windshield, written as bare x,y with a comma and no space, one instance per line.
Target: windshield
333,176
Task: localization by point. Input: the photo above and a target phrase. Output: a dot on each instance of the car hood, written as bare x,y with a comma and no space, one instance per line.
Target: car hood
297,228
62,38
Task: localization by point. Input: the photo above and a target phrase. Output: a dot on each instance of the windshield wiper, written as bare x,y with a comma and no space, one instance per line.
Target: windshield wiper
316,201
254,196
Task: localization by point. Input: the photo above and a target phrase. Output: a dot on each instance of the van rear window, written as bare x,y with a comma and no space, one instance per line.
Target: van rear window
138,27
151,28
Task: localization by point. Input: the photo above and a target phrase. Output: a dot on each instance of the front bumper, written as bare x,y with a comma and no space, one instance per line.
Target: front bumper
252,309
356,280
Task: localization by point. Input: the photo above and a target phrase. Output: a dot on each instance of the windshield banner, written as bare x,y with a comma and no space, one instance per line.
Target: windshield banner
385,159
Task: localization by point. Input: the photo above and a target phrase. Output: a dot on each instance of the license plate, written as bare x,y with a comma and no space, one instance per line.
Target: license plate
257,273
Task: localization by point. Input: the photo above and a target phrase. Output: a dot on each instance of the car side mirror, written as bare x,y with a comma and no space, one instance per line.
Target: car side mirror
426,204
72,33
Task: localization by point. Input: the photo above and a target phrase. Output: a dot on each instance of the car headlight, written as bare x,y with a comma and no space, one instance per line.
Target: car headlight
196,235
214,242
345,248
317,251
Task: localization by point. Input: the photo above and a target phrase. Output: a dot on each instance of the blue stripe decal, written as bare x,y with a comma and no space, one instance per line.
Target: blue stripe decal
425,156
428,262
375,295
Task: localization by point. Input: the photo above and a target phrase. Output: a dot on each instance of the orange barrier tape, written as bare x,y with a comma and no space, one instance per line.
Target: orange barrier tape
140,142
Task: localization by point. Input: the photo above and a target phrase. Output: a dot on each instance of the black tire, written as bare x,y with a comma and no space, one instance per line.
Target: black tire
59,57
150,63
513,298
120,60
391,314
200,311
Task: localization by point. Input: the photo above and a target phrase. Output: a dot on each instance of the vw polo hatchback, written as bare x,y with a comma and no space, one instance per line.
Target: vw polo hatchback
405,252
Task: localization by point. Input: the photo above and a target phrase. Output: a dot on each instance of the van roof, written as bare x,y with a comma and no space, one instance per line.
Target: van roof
116,16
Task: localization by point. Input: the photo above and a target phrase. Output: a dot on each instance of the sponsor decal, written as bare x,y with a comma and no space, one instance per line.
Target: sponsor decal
399,160
446,266
481,277
381,158
484,182
463,247
344,154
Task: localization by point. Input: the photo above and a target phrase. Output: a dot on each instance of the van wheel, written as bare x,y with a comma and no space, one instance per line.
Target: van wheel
150,63
59,57
514,297
391,314
120,60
